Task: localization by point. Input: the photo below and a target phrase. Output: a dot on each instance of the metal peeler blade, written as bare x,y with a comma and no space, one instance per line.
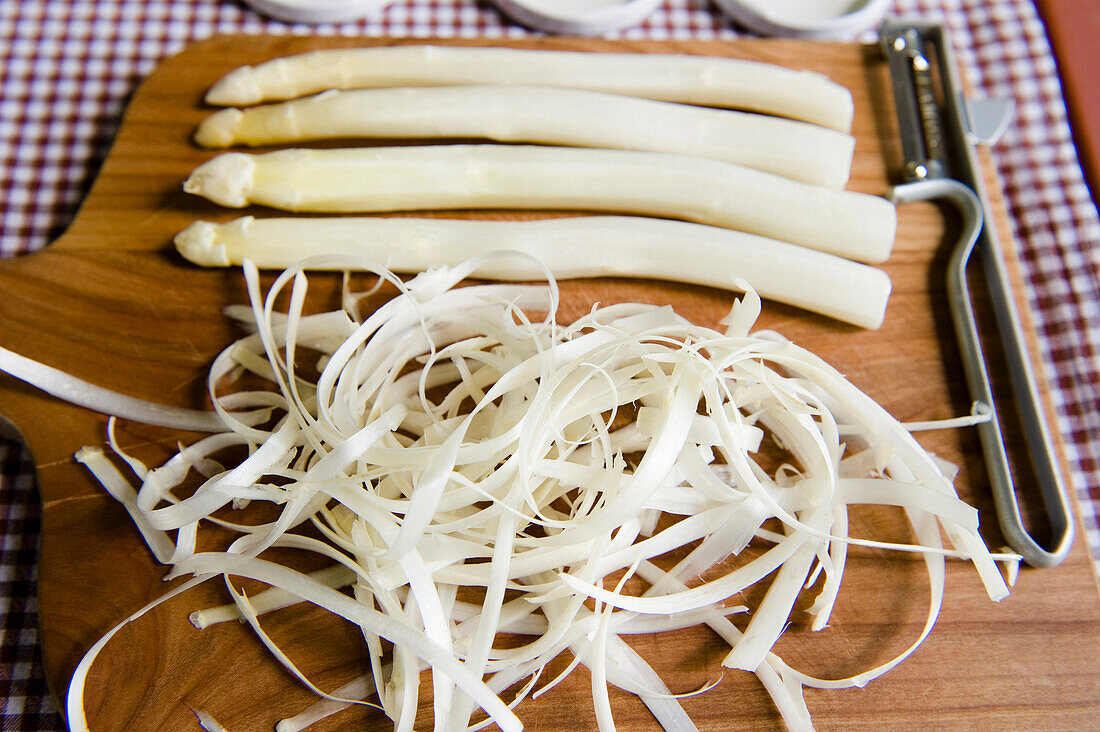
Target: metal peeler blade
938,137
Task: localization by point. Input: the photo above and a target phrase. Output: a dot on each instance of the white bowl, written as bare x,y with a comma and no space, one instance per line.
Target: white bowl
806,18
578,17
317,11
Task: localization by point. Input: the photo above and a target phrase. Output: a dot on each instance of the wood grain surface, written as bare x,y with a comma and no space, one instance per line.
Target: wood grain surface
112,303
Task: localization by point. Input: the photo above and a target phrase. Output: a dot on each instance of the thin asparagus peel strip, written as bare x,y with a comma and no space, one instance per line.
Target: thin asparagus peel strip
557,116
408,178
573,247
704,80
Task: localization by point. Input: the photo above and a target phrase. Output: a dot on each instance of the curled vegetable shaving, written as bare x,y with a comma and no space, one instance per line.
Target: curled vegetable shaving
90,396
475,472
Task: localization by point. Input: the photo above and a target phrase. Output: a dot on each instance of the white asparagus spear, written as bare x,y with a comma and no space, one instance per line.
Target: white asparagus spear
854,225
707,80
792,149
573,247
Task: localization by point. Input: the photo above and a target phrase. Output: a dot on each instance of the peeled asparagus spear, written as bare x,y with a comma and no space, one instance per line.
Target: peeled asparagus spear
797,150
575,247
849,224
707,80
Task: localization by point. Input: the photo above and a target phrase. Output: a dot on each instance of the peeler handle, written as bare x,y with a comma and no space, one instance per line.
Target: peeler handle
941,164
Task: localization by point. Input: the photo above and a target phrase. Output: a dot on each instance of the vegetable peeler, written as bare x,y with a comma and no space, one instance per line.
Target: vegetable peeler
939,130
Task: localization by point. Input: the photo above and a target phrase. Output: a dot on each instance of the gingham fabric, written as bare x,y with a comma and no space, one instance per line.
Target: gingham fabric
67,67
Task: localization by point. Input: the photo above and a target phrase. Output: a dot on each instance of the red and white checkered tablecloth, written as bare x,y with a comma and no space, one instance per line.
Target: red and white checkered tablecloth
68,66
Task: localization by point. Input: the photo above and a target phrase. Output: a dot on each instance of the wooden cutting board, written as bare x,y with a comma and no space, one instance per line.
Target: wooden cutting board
112,303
